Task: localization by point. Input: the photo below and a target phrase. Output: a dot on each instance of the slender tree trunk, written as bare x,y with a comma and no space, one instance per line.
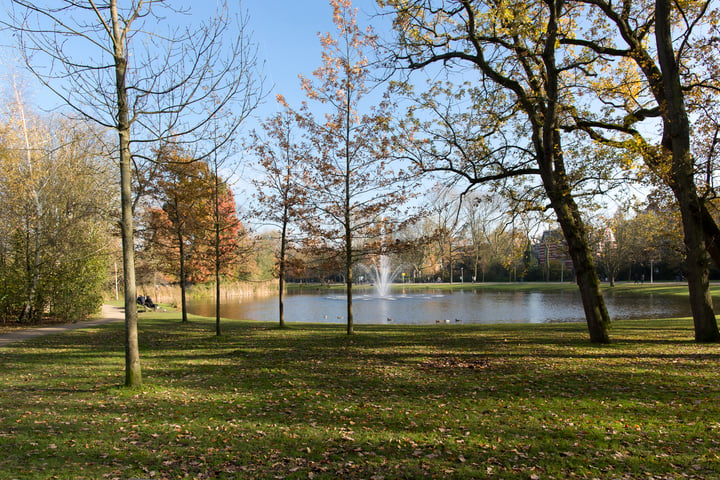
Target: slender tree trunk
349,265
133,373
183,295
216,213
348,218
32,270
218,330
349,262
477,261
349,293
676,140
32,265
281,279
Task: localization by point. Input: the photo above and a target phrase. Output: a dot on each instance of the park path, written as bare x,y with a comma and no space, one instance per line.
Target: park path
110,314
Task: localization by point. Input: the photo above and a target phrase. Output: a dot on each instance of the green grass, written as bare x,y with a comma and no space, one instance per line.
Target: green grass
458,401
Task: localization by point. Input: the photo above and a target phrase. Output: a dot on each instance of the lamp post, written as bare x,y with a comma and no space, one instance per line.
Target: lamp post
651,270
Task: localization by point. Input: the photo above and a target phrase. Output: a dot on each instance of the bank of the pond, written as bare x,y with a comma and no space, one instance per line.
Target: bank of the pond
658,288
170,294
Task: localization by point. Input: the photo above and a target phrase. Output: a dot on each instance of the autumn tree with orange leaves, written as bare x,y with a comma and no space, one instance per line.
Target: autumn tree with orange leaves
183,229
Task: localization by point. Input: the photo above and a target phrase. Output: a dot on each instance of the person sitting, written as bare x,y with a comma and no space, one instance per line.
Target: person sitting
141,300
149,303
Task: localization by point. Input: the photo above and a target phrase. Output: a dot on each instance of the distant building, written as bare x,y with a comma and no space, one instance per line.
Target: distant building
553,247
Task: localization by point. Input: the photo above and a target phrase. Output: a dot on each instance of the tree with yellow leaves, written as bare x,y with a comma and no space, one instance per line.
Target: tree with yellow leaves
516,109
54,216
653,68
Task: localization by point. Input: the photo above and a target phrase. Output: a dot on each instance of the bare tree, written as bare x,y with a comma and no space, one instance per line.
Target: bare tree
444,210
133,70
483,213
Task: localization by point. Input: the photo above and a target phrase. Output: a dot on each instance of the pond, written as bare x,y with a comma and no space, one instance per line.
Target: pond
430,307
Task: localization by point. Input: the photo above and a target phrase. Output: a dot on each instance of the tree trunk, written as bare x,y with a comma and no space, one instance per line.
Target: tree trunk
552,171
218,330
477,261
596,313
349,293
348,219
183,295
133,374
698,275
349,275
712,235
676,140
32,267
281,279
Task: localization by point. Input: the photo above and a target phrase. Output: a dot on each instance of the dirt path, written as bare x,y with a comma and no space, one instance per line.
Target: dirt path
109,314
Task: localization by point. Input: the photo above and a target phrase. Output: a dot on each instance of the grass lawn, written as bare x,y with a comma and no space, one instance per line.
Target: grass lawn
441,401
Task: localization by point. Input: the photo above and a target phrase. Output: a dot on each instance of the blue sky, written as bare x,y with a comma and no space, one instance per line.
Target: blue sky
287,34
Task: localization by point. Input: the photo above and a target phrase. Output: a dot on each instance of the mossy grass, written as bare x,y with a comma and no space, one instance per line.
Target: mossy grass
457,401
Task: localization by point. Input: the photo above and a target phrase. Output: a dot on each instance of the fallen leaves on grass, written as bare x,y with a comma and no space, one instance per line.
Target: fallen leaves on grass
455,362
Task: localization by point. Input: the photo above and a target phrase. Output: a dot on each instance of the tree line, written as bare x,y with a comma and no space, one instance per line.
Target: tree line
59,240
55,229
641,243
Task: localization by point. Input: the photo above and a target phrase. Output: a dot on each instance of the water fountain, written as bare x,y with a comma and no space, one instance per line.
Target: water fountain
383,275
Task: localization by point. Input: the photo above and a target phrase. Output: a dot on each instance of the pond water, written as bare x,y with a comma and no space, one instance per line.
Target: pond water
429,307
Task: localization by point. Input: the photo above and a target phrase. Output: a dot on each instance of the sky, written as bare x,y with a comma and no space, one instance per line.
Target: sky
287,36
285,31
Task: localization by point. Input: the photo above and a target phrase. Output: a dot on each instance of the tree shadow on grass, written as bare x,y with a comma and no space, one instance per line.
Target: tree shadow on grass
388,401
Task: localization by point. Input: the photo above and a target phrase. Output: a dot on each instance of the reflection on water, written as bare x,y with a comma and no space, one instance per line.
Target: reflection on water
477,306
